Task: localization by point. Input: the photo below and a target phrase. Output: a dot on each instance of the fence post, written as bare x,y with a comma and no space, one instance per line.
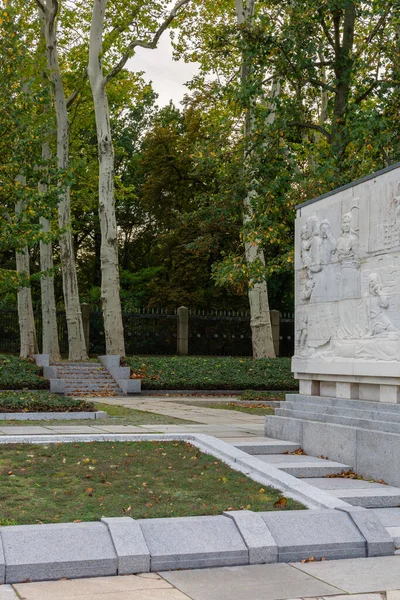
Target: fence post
183,331
275,324
85,308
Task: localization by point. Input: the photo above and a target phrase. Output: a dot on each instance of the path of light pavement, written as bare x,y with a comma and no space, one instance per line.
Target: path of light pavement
377,577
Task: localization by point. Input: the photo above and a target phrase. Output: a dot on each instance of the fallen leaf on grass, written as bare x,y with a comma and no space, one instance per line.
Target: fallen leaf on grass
281,503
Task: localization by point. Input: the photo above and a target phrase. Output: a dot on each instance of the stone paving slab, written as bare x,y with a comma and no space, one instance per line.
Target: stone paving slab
53,590
161,594
390,517
342,483
257,582
7,593
353,576
24,430
369,498
304,466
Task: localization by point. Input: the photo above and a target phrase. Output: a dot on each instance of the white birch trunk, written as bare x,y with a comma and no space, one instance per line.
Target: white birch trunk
26,321
50,344
260,318
110,285
76,338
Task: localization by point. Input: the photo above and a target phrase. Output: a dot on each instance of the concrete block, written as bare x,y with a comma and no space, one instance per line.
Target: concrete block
48,552
110,360
130,546
337,443
309,386
50,372
258,539
346,390
389,393
193,542
100,414
130,386
42,360
2,562
57,386
284,429
378,456
120,372
379,542
319,533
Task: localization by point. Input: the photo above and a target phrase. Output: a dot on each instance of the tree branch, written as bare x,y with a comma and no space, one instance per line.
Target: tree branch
76,93
326,30
367,92
41,6
312,126
143,44
321,84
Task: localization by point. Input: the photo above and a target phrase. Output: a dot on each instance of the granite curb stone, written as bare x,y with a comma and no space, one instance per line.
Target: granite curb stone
56,416
2,563
55,551
131,548
327,534
379,542
256,535
193,542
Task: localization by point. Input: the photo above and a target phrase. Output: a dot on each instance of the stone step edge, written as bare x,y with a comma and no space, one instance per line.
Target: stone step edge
305,406
345,402
367,424
56,416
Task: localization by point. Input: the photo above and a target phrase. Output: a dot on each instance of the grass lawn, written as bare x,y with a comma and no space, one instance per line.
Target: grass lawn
117,415
19,374
212,373
85,481
246,407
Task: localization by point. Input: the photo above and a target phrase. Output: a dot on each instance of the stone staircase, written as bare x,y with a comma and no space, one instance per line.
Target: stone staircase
326,475
86,378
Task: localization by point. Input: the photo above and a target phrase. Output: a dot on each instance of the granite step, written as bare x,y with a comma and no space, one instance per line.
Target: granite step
351,411
344,403
308,415
304,466
266,447
358,492
390,518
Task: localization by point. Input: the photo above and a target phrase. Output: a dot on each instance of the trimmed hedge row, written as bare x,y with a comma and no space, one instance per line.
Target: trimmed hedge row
20,373
41,402
212,373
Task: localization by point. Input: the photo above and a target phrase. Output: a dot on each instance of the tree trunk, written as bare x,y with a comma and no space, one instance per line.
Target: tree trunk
110,285
260,319
50,344
343,70
26,321
76,338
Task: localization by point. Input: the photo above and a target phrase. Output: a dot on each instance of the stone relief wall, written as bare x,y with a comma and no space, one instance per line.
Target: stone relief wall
348,274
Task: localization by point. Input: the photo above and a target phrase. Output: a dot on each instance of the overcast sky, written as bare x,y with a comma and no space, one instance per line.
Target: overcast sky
168,76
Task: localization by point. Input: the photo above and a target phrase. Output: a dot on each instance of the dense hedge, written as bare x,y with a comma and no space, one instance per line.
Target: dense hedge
41,402
19,374
212,373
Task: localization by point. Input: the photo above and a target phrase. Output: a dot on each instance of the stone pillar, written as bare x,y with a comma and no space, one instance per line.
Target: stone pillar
183,331
275,324
309,387
85,308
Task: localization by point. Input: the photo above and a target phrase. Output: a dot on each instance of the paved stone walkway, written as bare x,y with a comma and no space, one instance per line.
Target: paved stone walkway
359,579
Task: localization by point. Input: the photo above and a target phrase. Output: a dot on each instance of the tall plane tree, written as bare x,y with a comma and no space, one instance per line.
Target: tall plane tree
48,10
110,284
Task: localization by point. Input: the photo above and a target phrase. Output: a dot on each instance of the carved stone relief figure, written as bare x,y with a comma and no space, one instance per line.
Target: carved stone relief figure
326,288
376,303
347,254
313,232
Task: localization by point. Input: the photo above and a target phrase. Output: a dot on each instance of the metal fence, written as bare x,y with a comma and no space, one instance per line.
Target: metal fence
154,331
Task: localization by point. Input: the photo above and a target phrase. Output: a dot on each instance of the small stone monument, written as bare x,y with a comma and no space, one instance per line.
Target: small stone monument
347,352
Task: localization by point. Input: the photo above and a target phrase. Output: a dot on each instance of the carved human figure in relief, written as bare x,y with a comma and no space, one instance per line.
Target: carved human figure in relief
313,232
347,254
376,303
326,284
305,247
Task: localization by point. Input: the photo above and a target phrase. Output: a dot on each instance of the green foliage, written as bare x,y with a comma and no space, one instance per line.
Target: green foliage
20,374
66,482
212,373
24,402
